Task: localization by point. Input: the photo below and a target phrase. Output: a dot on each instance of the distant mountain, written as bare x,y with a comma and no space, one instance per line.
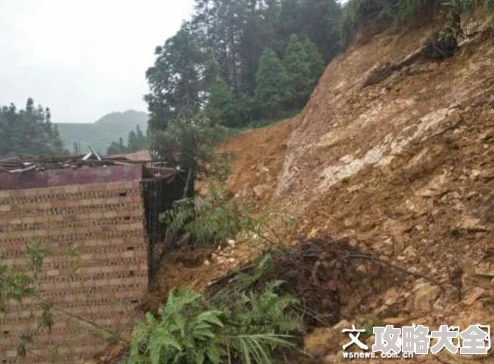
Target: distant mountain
100,134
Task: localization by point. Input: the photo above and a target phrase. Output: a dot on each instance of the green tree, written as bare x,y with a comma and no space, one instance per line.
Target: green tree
228,109
272,84
142,140
316,62
235,33
221,104
76,149
297,66
136,140
190,144
28,131
317,19
116,148
177,80
225,40
132,142
322,19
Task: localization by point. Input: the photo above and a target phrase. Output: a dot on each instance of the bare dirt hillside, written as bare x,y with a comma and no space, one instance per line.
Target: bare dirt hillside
404,168
259,156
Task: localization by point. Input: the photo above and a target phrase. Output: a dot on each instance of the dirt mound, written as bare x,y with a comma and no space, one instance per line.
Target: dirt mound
259,160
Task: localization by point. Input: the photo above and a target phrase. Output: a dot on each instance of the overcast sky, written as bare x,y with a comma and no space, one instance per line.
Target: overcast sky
82,58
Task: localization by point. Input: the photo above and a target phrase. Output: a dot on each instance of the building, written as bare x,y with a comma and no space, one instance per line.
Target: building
99,221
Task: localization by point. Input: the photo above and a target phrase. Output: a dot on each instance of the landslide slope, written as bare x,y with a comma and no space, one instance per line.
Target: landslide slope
405,168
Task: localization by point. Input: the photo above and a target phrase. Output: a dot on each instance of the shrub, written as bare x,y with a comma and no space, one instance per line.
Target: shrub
209,221
357,13
189,329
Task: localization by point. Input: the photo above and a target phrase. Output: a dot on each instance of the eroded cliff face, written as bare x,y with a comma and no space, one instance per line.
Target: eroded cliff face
347,127
405,168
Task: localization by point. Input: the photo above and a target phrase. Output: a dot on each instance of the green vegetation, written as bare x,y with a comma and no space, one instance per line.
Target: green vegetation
369,325
272,91
225,63
467,6
298,68
235,64
191,329
226,108
19,284
28,131
358,13
213,221
315,61
135,141
190,143
101,134
177,80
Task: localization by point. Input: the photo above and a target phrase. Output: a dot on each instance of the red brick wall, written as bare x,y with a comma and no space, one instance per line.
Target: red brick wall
106,222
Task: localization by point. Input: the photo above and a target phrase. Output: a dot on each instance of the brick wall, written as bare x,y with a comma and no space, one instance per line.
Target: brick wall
105,222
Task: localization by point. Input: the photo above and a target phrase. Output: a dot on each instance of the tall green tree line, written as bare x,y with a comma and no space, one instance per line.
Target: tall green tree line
213,62
28,131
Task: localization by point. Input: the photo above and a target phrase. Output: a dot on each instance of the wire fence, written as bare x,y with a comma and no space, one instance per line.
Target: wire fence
159,194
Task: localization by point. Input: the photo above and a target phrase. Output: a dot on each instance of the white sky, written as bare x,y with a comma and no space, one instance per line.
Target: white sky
82,58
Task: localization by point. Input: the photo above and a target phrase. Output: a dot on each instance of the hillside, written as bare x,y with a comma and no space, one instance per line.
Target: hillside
101,133
404,168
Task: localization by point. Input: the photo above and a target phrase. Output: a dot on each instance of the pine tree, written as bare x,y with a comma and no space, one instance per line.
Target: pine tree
297,65
132,142
177,79
316,62
141,139
221,104
272,84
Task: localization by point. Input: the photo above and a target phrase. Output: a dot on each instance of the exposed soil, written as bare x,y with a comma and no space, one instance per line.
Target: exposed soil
259,161
179,269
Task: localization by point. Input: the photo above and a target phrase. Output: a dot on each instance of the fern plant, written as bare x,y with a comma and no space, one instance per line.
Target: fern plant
209,221
184,332
188,329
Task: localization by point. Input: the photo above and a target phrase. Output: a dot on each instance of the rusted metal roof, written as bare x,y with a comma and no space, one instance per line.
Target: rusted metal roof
51,171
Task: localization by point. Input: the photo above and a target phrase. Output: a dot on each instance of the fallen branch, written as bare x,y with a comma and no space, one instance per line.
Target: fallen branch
230,275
